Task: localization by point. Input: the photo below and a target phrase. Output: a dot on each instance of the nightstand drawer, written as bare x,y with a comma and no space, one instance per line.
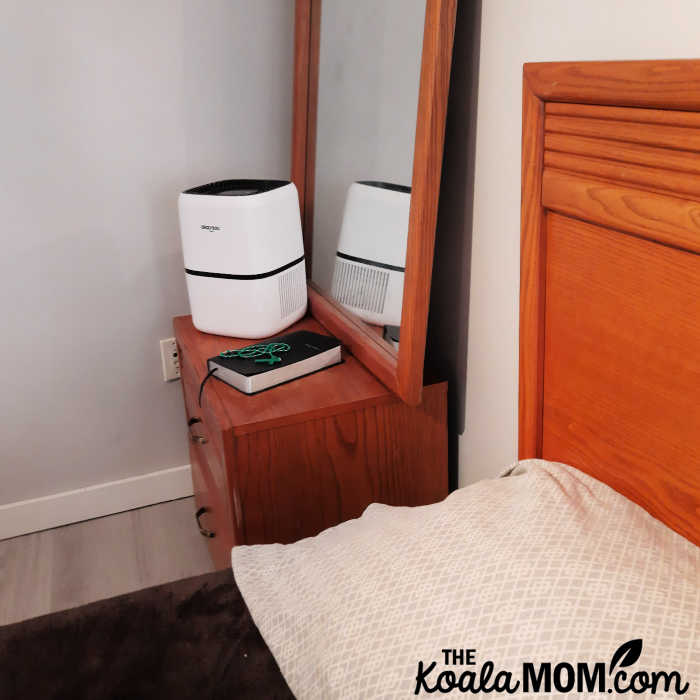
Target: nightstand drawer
202,433
199,431
209,477
208,516
211,514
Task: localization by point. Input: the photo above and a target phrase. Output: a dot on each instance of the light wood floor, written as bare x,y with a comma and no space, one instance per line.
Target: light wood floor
76,564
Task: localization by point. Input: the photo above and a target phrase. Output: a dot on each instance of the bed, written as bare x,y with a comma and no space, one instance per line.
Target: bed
586,551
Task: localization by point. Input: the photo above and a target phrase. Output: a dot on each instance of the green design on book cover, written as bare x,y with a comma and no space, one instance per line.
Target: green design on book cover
260,352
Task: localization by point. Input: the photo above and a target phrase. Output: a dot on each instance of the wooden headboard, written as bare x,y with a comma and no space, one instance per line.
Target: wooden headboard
610,278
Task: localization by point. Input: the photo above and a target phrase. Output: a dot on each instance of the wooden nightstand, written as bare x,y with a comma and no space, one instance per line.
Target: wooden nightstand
300,457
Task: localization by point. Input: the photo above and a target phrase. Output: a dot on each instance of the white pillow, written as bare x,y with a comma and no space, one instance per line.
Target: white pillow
545,566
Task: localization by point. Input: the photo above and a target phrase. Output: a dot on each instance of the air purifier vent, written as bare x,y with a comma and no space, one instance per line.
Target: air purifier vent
292,288
360,286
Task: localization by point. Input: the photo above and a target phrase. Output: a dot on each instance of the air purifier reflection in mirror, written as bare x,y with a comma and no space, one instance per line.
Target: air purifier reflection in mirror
371,255
244,256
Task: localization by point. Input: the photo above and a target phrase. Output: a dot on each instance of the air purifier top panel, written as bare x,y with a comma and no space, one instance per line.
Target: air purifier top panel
241,227
237,188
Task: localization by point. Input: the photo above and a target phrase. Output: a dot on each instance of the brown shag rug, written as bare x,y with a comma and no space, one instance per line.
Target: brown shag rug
192,638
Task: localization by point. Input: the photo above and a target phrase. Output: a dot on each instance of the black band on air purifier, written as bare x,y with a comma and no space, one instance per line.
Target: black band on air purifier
262,275
373,263
385,186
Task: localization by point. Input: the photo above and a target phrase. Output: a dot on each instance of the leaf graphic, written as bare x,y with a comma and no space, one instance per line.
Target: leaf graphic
627,653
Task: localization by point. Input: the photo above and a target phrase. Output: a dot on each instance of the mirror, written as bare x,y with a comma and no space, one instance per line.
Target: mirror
368,78
371,81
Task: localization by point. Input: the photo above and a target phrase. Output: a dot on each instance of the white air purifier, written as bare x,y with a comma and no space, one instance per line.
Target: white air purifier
371,256
244,256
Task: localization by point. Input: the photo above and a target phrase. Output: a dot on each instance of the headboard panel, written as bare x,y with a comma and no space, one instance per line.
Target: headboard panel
610,284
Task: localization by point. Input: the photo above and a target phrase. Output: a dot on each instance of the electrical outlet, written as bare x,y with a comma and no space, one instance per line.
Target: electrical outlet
170,359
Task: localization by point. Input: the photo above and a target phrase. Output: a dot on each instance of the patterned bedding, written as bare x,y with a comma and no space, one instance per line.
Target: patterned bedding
544,583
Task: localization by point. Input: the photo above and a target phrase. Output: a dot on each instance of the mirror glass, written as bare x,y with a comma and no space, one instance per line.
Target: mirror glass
369,71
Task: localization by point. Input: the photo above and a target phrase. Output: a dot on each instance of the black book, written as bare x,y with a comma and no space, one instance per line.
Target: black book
276,360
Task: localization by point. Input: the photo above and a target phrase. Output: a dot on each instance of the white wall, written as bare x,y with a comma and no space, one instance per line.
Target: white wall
515,32
107,110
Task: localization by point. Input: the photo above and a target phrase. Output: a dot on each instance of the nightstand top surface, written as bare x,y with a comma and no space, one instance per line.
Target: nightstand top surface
333,390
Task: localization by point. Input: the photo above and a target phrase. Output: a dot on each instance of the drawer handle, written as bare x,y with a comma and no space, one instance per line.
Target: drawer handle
199,439
203,530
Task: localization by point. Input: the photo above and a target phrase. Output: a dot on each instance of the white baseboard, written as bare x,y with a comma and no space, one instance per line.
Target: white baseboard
22,517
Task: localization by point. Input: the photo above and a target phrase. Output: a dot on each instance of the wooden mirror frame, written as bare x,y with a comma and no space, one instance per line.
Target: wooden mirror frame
401,371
